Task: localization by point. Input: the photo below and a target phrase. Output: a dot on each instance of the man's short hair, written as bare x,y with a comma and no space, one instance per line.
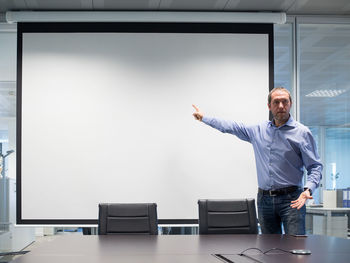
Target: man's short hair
278,88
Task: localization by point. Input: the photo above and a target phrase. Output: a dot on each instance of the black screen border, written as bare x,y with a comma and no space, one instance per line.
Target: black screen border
119,27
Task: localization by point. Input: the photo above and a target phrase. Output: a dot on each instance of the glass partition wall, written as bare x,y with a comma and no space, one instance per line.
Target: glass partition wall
318,76
7,116
284,65
324,96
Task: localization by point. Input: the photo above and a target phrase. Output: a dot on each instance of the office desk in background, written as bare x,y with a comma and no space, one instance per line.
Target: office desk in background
185,249
328,221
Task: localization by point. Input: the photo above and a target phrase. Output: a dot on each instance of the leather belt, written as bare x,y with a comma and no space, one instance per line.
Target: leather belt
281,191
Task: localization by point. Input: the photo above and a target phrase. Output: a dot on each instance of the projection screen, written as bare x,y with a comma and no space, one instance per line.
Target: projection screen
105,116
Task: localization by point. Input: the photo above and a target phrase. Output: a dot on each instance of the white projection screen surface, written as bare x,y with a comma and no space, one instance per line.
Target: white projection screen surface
106,117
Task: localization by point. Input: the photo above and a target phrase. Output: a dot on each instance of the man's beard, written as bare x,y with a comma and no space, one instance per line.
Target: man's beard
281,117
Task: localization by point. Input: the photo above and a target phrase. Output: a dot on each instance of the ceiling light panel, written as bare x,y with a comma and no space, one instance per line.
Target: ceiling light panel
326,93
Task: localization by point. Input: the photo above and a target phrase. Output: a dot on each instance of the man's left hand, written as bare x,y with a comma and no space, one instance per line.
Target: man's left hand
299,203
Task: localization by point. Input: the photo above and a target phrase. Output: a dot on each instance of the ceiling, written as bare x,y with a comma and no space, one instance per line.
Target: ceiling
291,7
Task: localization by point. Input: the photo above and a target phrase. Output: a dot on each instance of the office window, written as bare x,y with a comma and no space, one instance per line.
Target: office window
283,49
324,93
8,50
283,60
337,172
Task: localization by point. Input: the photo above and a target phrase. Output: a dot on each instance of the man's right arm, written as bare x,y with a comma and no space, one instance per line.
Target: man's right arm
232,127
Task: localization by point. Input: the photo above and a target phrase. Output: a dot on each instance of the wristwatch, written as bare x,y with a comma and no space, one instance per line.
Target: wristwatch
307,188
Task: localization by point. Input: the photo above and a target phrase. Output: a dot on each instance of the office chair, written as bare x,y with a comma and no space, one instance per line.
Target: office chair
227,216
126,218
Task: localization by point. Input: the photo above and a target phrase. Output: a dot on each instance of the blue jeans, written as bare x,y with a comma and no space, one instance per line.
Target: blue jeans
273,211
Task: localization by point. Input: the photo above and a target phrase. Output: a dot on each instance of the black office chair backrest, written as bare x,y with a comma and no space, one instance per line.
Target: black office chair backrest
227,217
140,218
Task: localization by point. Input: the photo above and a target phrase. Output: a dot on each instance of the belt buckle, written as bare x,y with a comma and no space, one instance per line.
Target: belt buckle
271,194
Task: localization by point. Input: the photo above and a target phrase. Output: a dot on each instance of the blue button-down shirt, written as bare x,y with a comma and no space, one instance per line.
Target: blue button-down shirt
280,152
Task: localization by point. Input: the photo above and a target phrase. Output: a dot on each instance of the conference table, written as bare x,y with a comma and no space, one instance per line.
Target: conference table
187,248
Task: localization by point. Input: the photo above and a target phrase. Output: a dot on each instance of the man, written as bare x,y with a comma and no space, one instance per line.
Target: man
282,148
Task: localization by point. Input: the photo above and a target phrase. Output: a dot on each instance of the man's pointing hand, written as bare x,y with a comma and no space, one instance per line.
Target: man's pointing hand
198,115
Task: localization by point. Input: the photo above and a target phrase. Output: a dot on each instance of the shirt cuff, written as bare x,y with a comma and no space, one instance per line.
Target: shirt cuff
311,186
206,120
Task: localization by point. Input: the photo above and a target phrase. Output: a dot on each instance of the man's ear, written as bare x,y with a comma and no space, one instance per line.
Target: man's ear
269,106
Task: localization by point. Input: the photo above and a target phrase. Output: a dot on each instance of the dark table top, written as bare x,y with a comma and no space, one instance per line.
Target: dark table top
186,248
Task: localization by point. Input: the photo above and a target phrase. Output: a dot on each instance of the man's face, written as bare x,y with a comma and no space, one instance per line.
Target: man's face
280,105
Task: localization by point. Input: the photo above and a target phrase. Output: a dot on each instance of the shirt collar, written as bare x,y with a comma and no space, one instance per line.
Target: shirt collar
291,122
